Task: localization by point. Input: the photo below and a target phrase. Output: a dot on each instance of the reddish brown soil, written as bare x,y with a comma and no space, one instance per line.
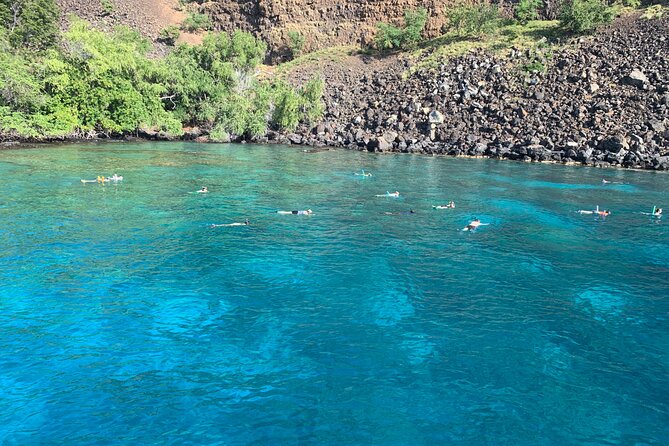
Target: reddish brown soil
147,17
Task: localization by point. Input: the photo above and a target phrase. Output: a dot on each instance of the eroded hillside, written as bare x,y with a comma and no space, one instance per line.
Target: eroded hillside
323,23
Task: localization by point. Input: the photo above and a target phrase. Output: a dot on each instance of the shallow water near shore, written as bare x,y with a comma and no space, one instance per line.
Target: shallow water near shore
127,319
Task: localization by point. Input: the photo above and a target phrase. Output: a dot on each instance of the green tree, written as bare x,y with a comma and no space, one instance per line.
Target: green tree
106,82
213,84
32,24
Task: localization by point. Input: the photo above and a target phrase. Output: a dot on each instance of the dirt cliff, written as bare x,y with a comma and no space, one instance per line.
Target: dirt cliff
323,23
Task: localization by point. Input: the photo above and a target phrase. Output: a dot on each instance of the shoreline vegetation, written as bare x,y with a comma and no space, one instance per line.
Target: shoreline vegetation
490,86
84,83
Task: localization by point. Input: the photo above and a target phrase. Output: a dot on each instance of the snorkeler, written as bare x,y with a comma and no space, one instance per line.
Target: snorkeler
246,223
204,190
450,205
656,212
473,225
596,211
115,178
307,212
390,194
409,212
364,174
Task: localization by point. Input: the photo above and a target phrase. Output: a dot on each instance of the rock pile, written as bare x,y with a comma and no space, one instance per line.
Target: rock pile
603,101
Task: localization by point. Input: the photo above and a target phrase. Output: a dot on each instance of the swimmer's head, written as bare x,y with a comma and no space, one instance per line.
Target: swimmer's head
411,211
247,222
309,211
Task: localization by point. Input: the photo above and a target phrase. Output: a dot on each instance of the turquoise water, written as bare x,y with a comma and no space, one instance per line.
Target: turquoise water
127,320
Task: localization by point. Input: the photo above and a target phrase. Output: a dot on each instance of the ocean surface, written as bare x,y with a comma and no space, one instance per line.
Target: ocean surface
126,319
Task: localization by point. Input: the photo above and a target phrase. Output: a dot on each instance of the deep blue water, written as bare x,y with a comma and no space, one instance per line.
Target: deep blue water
125,319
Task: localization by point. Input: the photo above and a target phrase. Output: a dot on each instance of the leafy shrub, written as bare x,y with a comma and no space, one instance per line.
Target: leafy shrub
169,35
527,10
631,3
196,22
655,12
219,134
535,66
390,37
286,107
585,15
311,95
480,19
295,43
107,7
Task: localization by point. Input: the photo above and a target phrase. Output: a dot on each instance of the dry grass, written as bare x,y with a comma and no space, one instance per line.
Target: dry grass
534,34
655,12
332,54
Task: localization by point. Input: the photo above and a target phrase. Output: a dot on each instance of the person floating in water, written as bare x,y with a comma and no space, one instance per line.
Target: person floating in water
656,212
246,223
204,190
450,205
307,212
409,212
102,179
596,211
364,174
390,194
473,225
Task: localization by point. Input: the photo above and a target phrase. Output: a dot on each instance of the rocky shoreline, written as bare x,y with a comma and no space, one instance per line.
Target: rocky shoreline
602,101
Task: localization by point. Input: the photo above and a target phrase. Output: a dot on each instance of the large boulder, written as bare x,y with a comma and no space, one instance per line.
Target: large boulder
379,144
614,144
656,125
436,117
636,78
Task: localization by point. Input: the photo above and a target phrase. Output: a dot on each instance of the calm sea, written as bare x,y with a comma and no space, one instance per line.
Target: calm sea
125,319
